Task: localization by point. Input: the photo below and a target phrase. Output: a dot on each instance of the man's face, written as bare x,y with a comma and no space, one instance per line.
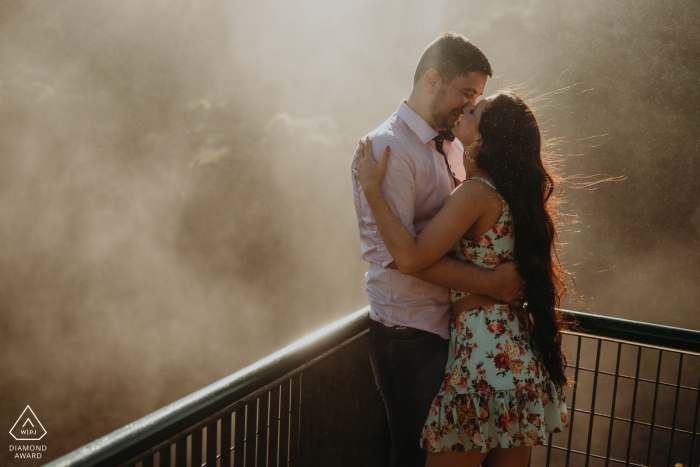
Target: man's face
452,98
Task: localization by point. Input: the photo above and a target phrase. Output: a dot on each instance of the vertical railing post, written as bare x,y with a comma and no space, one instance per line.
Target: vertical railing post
212,441
306,414
251,418
285,408
695,426
573,400
261,455
274,442
196,456
549,450
612,409
653,408
164,460
675,406
225,438
239,438
595,388
181,453
634,406
295,392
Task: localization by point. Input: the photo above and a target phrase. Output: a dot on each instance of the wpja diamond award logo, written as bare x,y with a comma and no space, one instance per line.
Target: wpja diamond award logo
28,428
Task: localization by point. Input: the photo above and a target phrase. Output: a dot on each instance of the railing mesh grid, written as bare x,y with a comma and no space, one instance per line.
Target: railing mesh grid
631,405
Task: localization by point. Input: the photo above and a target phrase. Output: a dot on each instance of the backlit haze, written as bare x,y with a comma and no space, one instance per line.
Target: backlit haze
175,196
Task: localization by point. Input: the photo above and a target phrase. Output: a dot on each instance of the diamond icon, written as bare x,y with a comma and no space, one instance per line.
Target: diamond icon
28,427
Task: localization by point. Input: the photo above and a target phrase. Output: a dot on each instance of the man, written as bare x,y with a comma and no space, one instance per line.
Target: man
410,314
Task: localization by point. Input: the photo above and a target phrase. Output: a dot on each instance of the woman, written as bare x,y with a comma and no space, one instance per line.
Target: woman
504,377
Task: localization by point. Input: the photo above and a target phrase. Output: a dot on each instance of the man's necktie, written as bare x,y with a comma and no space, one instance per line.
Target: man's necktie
439,140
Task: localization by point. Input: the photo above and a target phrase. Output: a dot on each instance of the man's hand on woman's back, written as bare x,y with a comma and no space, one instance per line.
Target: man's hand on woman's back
509,285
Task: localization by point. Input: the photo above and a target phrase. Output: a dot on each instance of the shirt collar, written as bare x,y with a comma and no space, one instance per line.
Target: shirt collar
414,121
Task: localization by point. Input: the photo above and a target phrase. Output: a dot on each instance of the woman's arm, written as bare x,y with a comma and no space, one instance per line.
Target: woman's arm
504,282
462,209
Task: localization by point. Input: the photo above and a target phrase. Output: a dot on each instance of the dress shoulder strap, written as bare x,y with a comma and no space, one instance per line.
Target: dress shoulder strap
503,201
486,182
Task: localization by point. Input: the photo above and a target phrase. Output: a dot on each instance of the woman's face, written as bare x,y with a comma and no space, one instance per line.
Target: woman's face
467,130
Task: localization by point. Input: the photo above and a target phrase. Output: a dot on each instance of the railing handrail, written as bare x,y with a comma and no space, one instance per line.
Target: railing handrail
119,446
655,335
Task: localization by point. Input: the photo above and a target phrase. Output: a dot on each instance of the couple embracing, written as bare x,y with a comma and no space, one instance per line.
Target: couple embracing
456,206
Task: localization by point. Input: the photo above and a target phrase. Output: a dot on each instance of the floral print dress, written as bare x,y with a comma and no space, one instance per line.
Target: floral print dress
496,393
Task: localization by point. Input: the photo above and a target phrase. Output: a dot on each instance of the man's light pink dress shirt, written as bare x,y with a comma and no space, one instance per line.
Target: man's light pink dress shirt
416,185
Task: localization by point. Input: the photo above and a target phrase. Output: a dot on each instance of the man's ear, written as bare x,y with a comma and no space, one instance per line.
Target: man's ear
432,81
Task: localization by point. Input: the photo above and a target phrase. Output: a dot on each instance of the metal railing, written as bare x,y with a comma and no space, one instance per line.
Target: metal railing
315,403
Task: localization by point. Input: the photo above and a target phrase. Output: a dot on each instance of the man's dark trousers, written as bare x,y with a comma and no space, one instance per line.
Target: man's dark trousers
409,368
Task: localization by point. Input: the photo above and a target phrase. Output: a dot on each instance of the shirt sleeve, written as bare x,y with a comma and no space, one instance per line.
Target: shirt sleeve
398,188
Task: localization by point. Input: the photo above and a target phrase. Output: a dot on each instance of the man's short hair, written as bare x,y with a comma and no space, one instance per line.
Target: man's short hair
452,55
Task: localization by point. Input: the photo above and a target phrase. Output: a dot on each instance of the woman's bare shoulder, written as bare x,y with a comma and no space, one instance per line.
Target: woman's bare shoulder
473,188
475,194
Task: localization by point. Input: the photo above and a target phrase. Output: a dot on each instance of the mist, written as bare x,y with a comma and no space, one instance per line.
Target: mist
175,195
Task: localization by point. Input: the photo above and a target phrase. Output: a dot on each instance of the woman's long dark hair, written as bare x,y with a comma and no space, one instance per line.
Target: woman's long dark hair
512,153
